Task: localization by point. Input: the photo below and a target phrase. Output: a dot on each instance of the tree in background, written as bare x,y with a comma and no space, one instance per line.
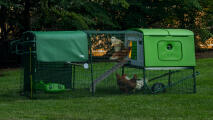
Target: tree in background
18,16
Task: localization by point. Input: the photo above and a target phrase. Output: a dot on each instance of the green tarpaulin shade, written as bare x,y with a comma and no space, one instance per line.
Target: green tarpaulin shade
61,46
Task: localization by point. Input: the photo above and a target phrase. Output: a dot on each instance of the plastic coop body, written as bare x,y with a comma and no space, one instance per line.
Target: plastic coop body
165,47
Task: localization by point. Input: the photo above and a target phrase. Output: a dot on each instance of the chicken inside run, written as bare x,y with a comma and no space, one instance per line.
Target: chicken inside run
111,48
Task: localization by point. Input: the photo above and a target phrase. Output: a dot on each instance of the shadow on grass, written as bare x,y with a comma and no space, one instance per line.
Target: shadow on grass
16,94
11,95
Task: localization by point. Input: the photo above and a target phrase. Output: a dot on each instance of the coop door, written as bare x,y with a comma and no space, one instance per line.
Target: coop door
169,50
133,52
136,53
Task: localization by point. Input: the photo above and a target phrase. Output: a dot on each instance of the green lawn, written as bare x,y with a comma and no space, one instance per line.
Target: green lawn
197,106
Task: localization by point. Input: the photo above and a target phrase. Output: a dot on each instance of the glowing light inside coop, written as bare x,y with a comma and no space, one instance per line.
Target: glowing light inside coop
208,44
99,52
130,45
133,50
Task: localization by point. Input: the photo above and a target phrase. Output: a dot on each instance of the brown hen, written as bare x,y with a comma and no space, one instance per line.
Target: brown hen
126,85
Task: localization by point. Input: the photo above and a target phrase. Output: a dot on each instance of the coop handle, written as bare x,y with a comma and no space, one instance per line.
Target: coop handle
197,73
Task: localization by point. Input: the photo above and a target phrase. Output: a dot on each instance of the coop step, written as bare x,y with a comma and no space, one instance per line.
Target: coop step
109,72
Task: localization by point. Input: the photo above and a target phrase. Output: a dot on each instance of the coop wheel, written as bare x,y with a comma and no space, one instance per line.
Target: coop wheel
158,88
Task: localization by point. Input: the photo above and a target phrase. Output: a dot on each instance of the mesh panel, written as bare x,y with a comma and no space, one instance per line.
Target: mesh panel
54,73
174,81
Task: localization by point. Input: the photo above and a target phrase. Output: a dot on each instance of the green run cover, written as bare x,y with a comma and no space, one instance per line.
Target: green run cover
61,46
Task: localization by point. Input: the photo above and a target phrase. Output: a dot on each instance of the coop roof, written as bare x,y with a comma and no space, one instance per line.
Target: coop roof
61,46
163,32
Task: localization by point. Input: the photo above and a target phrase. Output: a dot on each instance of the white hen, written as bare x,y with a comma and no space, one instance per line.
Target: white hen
117,43
140,83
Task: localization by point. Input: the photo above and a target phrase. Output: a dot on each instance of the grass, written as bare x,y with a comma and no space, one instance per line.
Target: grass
111,107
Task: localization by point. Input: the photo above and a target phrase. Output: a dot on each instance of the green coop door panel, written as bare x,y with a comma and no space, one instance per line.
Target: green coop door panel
169,50
134,50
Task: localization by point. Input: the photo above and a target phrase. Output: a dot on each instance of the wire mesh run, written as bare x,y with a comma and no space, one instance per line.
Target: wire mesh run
115,58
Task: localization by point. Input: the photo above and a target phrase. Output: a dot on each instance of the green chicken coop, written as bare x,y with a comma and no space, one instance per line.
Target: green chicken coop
87,61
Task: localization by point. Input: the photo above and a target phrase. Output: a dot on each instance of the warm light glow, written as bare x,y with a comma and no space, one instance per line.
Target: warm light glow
209,44
99,52
130,52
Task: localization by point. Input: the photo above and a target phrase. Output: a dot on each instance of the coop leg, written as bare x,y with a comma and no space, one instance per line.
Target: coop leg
194,79
92,78
144,79
31,78
73,82
169,79
70,82
93,89
122,70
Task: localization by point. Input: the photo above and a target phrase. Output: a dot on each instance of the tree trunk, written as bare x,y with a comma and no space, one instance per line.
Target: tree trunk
26,16
2,23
